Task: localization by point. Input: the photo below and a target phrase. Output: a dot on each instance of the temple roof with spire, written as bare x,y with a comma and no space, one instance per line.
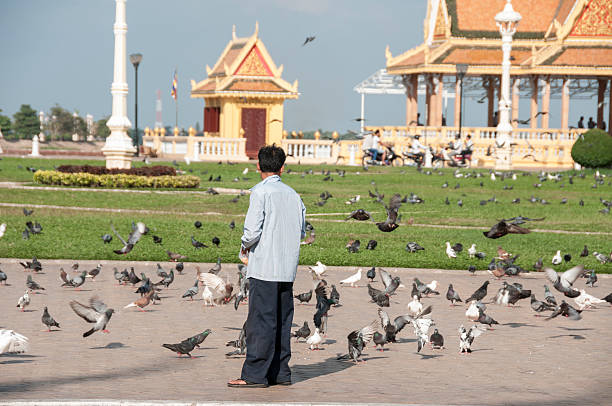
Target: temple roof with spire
554,37
244,68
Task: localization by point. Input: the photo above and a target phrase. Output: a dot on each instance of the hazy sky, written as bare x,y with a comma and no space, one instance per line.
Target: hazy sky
61,52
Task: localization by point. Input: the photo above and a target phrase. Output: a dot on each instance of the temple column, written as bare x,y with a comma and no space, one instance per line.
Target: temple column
439,100
601,92
490,100
411,83
428,101
534,101
458,90
565,100
515,101
546,103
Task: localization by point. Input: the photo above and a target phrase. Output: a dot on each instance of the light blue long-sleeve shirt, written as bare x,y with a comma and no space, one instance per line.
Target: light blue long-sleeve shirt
273,228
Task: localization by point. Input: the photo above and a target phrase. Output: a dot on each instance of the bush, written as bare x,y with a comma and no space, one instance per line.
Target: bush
115,180
157,170
593,149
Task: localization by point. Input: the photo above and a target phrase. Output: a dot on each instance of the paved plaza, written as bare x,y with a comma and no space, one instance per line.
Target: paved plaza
525,360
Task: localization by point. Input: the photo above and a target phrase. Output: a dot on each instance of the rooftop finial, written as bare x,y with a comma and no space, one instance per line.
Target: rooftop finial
256,28
234,32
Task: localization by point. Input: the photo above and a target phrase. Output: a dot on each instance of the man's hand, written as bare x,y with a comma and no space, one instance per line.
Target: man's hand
244,256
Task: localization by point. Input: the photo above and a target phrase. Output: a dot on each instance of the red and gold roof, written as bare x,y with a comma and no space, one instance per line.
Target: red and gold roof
244,68
565,37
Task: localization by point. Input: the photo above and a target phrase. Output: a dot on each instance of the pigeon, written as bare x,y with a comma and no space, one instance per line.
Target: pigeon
142,302
353,279
466,338
601,257
167,281
119,276
197,244
390,223
413,247
566,310
24,300
472,251
458,247
304,297
334,295
192,291
97,312
510,294
592,279
372,244
27,212
240,343
34,228
421,328
586,301
319,269
198,224
392,329
473,312
200,337
472,270
216,241
415,306
556,260
179,268
426,289
94,272
74,282
353,246
175,256
502,228
302,332
107,238
391,284
450,252
184,347
207,297
486,319
314,340
137,232
310,239
608,298
132,278
452,295
3,277
371,274
479,294
538,265
539,306
460,203
48,321
378,296
32,285
550,299
25,234
379,341
308,39
585,252
215,283
324,302
359,214
12,342
564,282
216,268
436,340
157,239
35,265
232,225
353,200
357,341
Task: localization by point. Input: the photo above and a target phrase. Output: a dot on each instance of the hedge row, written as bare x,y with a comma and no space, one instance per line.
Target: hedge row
157,170
115,181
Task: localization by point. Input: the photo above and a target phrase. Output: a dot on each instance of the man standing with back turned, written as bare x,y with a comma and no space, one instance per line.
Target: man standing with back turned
273,228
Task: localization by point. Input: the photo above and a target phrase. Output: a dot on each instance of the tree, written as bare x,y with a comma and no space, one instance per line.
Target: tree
26,123
5,125
102,131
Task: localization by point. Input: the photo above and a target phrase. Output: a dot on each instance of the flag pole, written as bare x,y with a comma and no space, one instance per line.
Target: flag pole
176,99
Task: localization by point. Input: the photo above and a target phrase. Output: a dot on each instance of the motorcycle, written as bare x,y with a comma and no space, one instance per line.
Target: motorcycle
391,159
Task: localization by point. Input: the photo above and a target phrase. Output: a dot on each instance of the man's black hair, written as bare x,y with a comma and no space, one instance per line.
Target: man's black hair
271,158
469,136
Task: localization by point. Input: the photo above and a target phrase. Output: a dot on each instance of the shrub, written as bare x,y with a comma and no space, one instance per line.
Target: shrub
115,180
593,149
157,170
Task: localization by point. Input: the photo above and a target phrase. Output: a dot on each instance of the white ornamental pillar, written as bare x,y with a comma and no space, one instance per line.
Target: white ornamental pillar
41,118
507,21
35,149
118,147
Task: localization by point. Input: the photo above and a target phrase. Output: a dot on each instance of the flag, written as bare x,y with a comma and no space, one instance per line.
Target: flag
174,85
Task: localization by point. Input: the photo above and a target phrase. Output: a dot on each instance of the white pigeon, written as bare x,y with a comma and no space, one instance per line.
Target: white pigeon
450,252
2,229
213,281
24,300
353,279
207,296
11,342
314,340
601,257
472,251
415,306
472,312
585,300
433,285
492,175
556,260
319,269
514,176
353,200
246,170
421,330
187,161
466,338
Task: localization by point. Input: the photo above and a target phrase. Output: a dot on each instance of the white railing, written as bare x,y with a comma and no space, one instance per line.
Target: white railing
198,148
315,151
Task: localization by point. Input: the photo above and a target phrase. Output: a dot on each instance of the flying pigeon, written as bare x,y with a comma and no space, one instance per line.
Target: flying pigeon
502,228
358,339
390,223
13,342
97,312
137,232
391,329
391,284
566,310
466,338
564,282
359,214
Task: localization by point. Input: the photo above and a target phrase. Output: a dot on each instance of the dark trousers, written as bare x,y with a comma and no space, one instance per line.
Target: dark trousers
268,336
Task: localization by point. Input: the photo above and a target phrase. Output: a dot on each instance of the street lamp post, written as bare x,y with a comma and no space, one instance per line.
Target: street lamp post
75,136
135,59
41,118
461,71
507,21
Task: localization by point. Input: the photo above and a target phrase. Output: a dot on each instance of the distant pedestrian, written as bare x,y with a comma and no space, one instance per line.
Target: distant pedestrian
602,126
581,122
419,119
591,123
273,227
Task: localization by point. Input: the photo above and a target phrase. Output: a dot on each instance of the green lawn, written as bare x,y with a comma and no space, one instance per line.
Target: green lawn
76,234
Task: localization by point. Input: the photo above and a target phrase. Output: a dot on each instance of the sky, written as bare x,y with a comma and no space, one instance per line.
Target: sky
61,52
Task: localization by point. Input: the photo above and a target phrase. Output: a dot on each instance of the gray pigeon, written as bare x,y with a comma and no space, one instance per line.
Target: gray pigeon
32,285
3,277
452,295
192,291
539,306
549,297
563,283
302,332
566,310
48,320
97,312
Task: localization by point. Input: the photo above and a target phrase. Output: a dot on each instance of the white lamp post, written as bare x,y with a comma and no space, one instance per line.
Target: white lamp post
41,118
507,21
75,136
118,147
